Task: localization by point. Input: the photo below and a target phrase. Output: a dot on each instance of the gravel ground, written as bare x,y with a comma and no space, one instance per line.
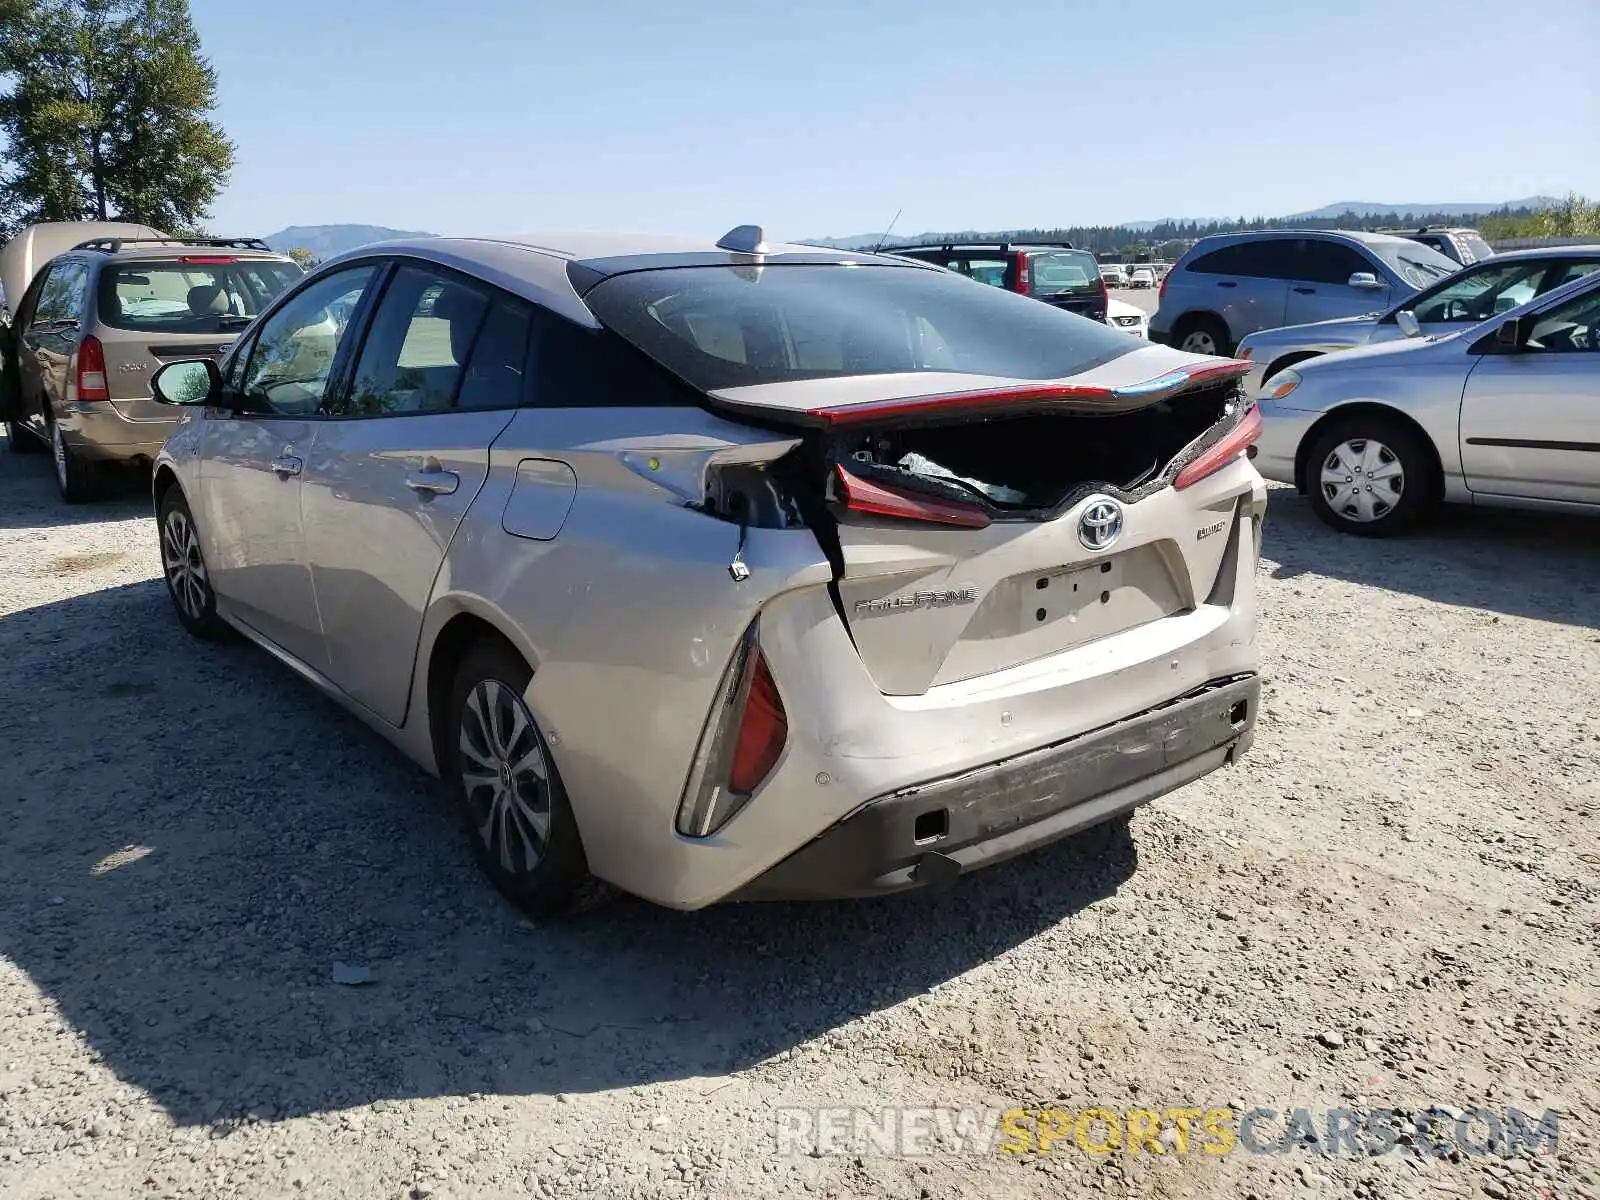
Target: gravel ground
1392,901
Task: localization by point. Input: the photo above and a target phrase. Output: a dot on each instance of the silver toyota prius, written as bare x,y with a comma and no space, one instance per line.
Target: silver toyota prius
727,571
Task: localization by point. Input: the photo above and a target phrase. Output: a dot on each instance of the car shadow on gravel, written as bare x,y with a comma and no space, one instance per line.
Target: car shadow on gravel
194,840
1545,566
32,501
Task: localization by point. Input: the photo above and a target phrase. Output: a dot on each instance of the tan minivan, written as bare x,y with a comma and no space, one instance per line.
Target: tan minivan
101,307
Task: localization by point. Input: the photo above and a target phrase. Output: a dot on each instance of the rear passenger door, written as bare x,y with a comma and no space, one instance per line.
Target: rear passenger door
1320,289
45,344
398,463
1247,283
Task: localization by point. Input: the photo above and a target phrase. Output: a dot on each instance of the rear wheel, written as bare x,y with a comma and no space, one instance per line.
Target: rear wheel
78,478
183,566
519,822
1369,475
1202,335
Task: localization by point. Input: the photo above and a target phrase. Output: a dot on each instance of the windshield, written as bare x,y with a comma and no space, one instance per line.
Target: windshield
1417,264
1064,271
723,327
1479,292
191,297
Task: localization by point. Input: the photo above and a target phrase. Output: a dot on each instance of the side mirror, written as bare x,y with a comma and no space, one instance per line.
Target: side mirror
1366,281
192,382
1512,335
1407,320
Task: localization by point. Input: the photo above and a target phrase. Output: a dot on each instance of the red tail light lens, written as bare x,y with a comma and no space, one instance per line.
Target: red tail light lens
1024,282
763,731
1105,294
743,739
1237,440
1161,292
89,374
879,501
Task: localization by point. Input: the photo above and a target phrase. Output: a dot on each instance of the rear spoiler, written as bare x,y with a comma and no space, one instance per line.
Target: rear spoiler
1010,400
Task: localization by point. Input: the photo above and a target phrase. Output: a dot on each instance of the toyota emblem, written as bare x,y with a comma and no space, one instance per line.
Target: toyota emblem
1101,523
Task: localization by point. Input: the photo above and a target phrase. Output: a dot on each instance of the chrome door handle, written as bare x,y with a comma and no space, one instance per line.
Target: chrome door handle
1306,291
287,464
434,483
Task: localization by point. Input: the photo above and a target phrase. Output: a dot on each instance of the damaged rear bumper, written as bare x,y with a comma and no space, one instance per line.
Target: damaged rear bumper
933,832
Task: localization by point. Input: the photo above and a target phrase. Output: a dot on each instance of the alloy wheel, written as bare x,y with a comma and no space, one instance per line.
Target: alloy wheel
1200,341
1362,480
505,776
186,570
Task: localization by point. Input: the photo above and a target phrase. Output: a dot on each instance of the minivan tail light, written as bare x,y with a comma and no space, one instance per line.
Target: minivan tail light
1234,443
1024,282
743,739
862,496
89,373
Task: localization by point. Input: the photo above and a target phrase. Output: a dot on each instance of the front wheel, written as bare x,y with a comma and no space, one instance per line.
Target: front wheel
184,567
1369,476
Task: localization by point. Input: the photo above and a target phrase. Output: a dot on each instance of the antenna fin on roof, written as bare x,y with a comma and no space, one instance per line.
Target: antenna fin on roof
744,239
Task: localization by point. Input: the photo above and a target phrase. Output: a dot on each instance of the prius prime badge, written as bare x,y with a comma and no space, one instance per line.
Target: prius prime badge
1100,524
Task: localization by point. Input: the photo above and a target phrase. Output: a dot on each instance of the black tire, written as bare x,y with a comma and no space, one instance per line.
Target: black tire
184,569
1202,330
79,479
20,441
541,870
1407,490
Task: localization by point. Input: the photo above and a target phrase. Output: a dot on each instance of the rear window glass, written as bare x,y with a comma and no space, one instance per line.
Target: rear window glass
179,297
1065,271
1417,264
722,327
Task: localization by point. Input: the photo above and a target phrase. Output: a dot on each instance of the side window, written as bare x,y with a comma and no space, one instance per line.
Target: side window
295,351
1570,326
496,370
1330,262
415,352
61,294
1269,258
991,271
1572,271
575,367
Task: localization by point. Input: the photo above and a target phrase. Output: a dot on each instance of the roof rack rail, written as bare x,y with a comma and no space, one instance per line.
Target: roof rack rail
110,245
1003,247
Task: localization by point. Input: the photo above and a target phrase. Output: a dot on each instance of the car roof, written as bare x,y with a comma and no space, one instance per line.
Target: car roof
177,249
542,267
1352,235
1591,251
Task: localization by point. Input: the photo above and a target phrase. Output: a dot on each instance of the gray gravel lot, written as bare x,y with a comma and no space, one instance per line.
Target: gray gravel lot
1394,900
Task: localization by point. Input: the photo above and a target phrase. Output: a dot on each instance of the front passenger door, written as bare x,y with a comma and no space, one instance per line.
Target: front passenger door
396,468
1530,418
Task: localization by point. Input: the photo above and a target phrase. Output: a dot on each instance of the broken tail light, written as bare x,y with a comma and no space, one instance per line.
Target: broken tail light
1234,443
861,496
743,739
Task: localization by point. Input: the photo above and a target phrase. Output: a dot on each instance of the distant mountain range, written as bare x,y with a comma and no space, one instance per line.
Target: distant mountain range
324,241
1328,212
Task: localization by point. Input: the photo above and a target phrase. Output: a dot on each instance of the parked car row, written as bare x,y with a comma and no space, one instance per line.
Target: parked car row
717,571
102,305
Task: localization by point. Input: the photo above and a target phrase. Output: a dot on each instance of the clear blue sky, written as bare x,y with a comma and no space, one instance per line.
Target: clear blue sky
823,118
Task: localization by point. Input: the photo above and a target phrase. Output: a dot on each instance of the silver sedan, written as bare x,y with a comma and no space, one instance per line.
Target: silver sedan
1506,412
1471,295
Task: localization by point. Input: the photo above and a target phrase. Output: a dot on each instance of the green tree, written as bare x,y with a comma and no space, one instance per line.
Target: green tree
105,111
303,256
